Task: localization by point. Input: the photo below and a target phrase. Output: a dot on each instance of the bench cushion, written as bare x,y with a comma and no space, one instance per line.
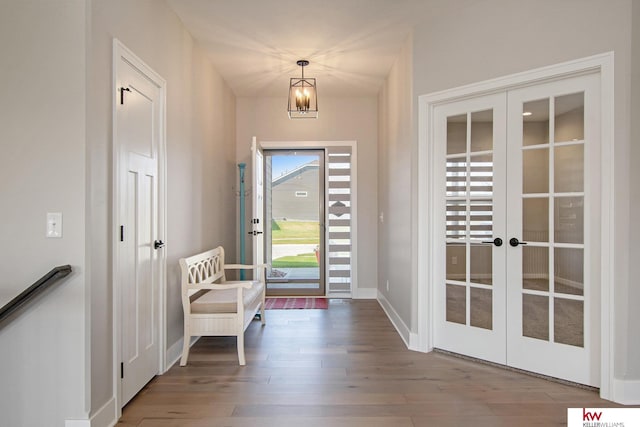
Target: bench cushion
224,301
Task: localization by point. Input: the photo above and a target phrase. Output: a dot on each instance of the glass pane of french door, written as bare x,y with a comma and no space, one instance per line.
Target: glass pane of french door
552,272
294,231
471,295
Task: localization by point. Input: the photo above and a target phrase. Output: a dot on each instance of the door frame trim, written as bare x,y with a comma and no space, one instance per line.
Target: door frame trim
602,64
121,51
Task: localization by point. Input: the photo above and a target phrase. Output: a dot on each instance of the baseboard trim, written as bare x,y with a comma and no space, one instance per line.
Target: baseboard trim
175,352
366,293
626,392
413,342
105,416
395,319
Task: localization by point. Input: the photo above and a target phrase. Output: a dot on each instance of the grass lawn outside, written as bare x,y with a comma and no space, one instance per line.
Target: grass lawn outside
296,261
300,232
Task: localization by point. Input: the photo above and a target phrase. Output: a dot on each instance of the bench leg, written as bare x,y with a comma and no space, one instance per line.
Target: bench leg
185,348
241,349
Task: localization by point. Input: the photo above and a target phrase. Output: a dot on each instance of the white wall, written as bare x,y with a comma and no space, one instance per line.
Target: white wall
340,119
493,38
397,187
200,158
42,169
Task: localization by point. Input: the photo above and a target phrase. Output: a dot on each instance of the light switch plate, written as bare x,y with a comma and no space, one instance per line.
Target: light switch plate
54,225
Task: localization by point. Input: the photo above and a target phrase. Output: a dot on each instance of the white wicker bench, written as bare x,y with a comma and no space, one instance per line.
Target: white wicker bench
214,306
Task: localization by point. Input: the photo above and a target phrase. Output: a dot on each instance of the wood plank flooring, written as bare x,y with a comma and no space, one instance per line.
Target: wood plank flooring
343,367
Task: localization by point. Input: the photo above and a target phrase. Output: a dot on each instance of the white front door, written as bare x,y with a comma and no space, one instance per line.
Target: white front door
137,134
518,282
257,221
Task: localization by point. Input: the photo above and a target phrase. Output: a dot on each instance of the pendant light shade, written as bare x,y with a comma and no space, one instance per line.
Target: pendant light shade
303,96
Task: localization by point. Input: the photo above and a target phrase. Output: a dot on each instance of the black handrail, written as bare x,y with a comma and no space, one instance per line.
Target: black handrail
43,283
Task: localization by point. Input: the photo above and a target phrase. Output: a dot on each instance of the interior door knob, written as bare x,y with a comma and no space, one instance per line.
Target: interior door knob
497,241
158,244
515,242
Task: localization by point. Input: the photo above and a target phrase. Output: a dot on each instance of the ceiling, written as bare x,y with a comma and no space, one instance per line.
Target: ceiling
254,44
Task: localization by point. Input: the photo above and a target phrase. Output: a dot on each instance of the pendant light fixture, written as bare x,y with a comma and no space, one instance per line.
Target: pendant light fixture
303,99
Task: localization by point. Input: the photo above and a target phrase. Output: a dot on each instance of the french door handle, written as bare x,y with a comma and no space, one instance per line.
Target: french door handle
254,233
497,241
158,244
515,242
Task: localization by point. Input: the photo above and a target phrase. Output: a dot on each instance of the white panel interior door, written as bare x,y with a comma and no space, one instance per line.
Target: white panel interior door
470,289
137,121
257,223
553,297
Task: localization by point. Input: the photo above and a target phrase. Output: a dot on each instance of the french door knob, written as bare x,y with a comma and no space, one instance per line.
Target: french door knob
158,244
515,242
497,241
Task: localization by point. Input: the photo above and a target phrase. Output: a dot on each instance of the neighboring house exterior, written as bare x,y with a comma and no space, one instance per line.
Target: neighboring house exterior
294,195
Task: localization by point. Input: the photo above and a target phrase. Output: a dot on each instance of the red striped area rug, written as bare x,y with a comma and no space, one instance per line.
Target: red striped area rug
296,303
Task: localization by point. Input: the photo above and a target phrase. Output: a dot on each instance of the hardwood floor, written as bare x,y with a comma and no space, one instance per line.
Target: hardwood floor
343,367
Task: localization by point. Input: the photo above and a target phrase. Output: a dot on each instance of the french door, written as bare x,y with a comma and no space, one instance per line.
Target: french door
518,180
471,304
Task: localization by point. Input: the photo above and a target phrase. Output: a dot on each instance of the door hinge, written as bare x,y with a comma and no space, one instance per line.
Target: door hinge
122,233
122,91
121,370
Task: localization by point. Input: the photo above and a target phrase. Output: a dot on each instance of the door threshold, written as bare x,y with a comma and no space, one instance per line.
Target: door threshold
521,371
297,296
